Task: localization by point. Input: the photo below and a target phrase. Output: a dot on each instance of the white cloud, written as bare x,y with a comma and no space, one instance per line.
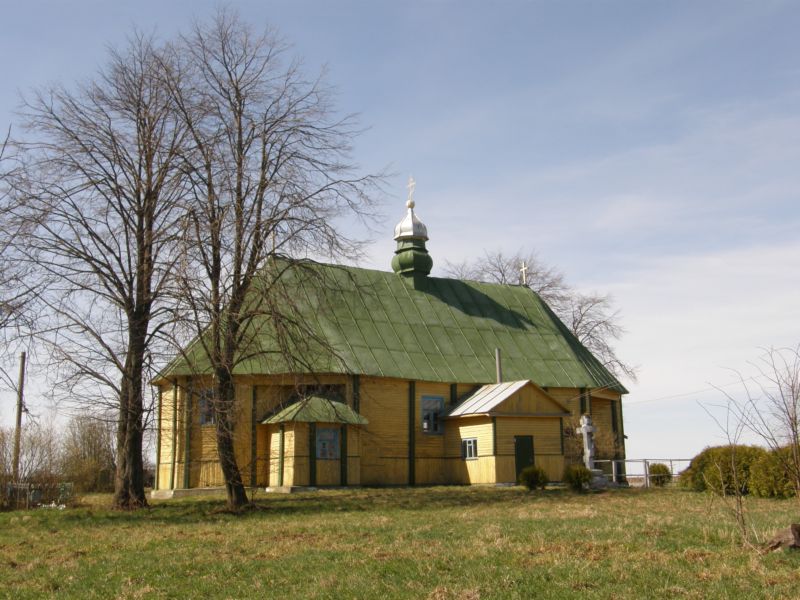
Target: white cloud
694,319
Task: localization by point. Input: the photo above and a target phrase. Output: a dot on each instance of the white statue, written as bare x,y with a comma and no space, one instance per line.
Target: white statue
587,429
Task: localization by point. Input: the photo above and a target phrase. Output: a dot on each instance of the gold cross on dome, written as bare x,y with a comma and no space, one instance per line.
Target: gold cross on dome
524,270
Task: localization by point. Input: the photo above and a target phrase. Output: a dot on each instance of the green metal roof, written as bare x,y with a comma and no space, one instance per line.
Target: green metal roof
376,323
317,409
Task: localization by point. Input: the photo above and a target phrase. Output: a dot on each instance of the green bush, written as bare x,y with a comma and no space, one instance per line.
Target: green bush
577,477
660,475
533,477
769,477
713,469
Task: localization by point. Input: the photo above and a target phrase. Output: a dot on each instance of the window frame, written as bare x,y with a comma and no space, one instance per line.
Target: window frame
205,406
334,450
436,421
469,448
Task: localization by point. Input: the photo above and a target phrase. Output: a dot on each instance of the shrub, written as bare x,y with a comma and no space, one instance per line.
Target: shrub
660,475
533,477
713,469
577,477
769,477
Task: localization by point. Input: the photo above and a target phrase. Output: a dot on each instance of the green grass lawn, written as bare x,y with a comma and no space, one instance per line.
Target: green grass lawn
441,542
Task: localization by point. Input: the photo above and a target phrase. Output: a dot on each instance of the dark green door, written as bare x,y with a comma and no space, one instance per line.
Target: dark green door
523,452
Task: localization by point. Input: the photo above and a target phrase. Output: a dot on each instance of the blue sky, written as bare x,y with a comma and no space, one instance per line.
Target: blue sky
648,149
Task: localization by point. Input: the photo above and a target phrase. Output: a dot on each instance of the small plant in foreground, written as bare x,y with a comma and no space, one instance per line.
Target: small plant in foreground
577,477
533,477
660,475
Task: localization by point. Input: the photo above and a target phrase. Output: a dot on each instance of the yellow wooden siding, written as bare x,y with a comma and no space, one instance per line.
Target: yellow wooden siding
469,471
606,394
381,455
274,459
604,428
167,437
384,442
353,455
552,464
569,397
529,400
546,432
429,447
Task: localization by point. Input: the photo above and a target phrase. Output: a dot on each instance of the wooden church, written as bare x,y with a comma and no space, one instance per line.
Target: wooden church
423,380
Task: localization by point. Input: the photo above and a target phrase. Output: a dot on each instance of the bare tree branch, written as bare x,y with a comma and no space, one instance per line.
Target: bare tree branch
96,198
269,175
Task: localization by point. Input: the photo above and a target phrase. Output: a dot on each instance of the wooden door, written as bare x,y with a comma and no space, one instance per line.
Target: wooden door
523,452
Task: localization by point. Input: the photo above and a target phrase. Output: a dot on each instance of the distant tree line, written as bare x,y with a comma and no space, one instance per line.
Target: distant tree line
82,453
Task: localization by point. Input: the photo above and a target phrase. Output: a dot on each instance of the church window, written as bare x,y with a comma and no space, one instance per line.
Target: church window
469,448
432,411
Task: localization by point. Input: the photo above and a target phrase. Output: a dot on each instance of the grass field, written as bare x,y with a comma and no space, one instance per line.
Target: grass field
443,542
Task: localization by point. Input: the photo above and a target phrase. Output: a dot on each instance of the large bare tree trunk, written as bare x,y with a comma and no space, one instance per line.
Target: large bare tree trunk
129,478
226,422
100,198
269,174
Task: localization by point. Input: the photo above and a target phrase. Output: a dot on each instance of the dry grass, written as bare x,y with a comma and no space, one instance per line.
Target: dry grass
437,543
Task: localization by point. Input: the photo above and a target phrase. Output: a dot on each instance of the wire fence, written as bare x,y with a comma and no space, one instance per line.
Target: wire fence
636,471
25,495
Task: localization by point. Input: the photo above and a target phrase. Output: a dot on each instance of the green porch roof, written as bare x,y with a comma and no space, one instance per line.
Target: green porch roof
317,409
369,322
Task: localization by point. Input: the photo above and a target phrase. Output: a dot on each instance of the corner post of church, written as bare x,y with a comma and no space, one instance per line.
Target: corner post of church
343,455
412,431
174,452
281,432
356,393
312,454
158,438
453,394
253,438
494,437
187,450
584,402
622,471
561,434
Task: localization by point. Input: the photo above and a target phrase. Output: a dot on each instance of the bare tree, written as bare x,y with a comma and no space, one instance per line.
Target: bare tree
16,289
88,453
591,317
96,198
270,176
726,478
769,407
39,454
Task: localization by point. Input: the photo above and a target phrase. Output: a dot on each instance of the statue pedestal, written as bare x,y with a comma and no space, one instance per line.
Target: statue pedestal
599,480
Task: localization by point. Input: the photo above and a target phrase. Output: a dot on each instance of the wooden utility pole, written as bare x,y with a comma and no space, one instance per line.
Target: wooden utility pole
18,430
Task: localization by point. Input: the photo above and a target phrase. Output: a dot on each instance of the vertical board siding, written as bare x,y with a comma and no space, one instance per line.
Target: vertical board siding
166,438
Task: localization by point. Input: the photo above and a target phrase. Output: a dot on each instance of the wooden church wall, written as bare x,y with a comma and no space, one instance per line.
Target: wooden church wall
546,433
384,443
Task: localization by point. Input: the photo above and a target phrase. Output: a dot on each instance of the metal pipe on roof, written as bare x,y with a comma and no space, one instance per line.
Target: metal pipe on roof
498,365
